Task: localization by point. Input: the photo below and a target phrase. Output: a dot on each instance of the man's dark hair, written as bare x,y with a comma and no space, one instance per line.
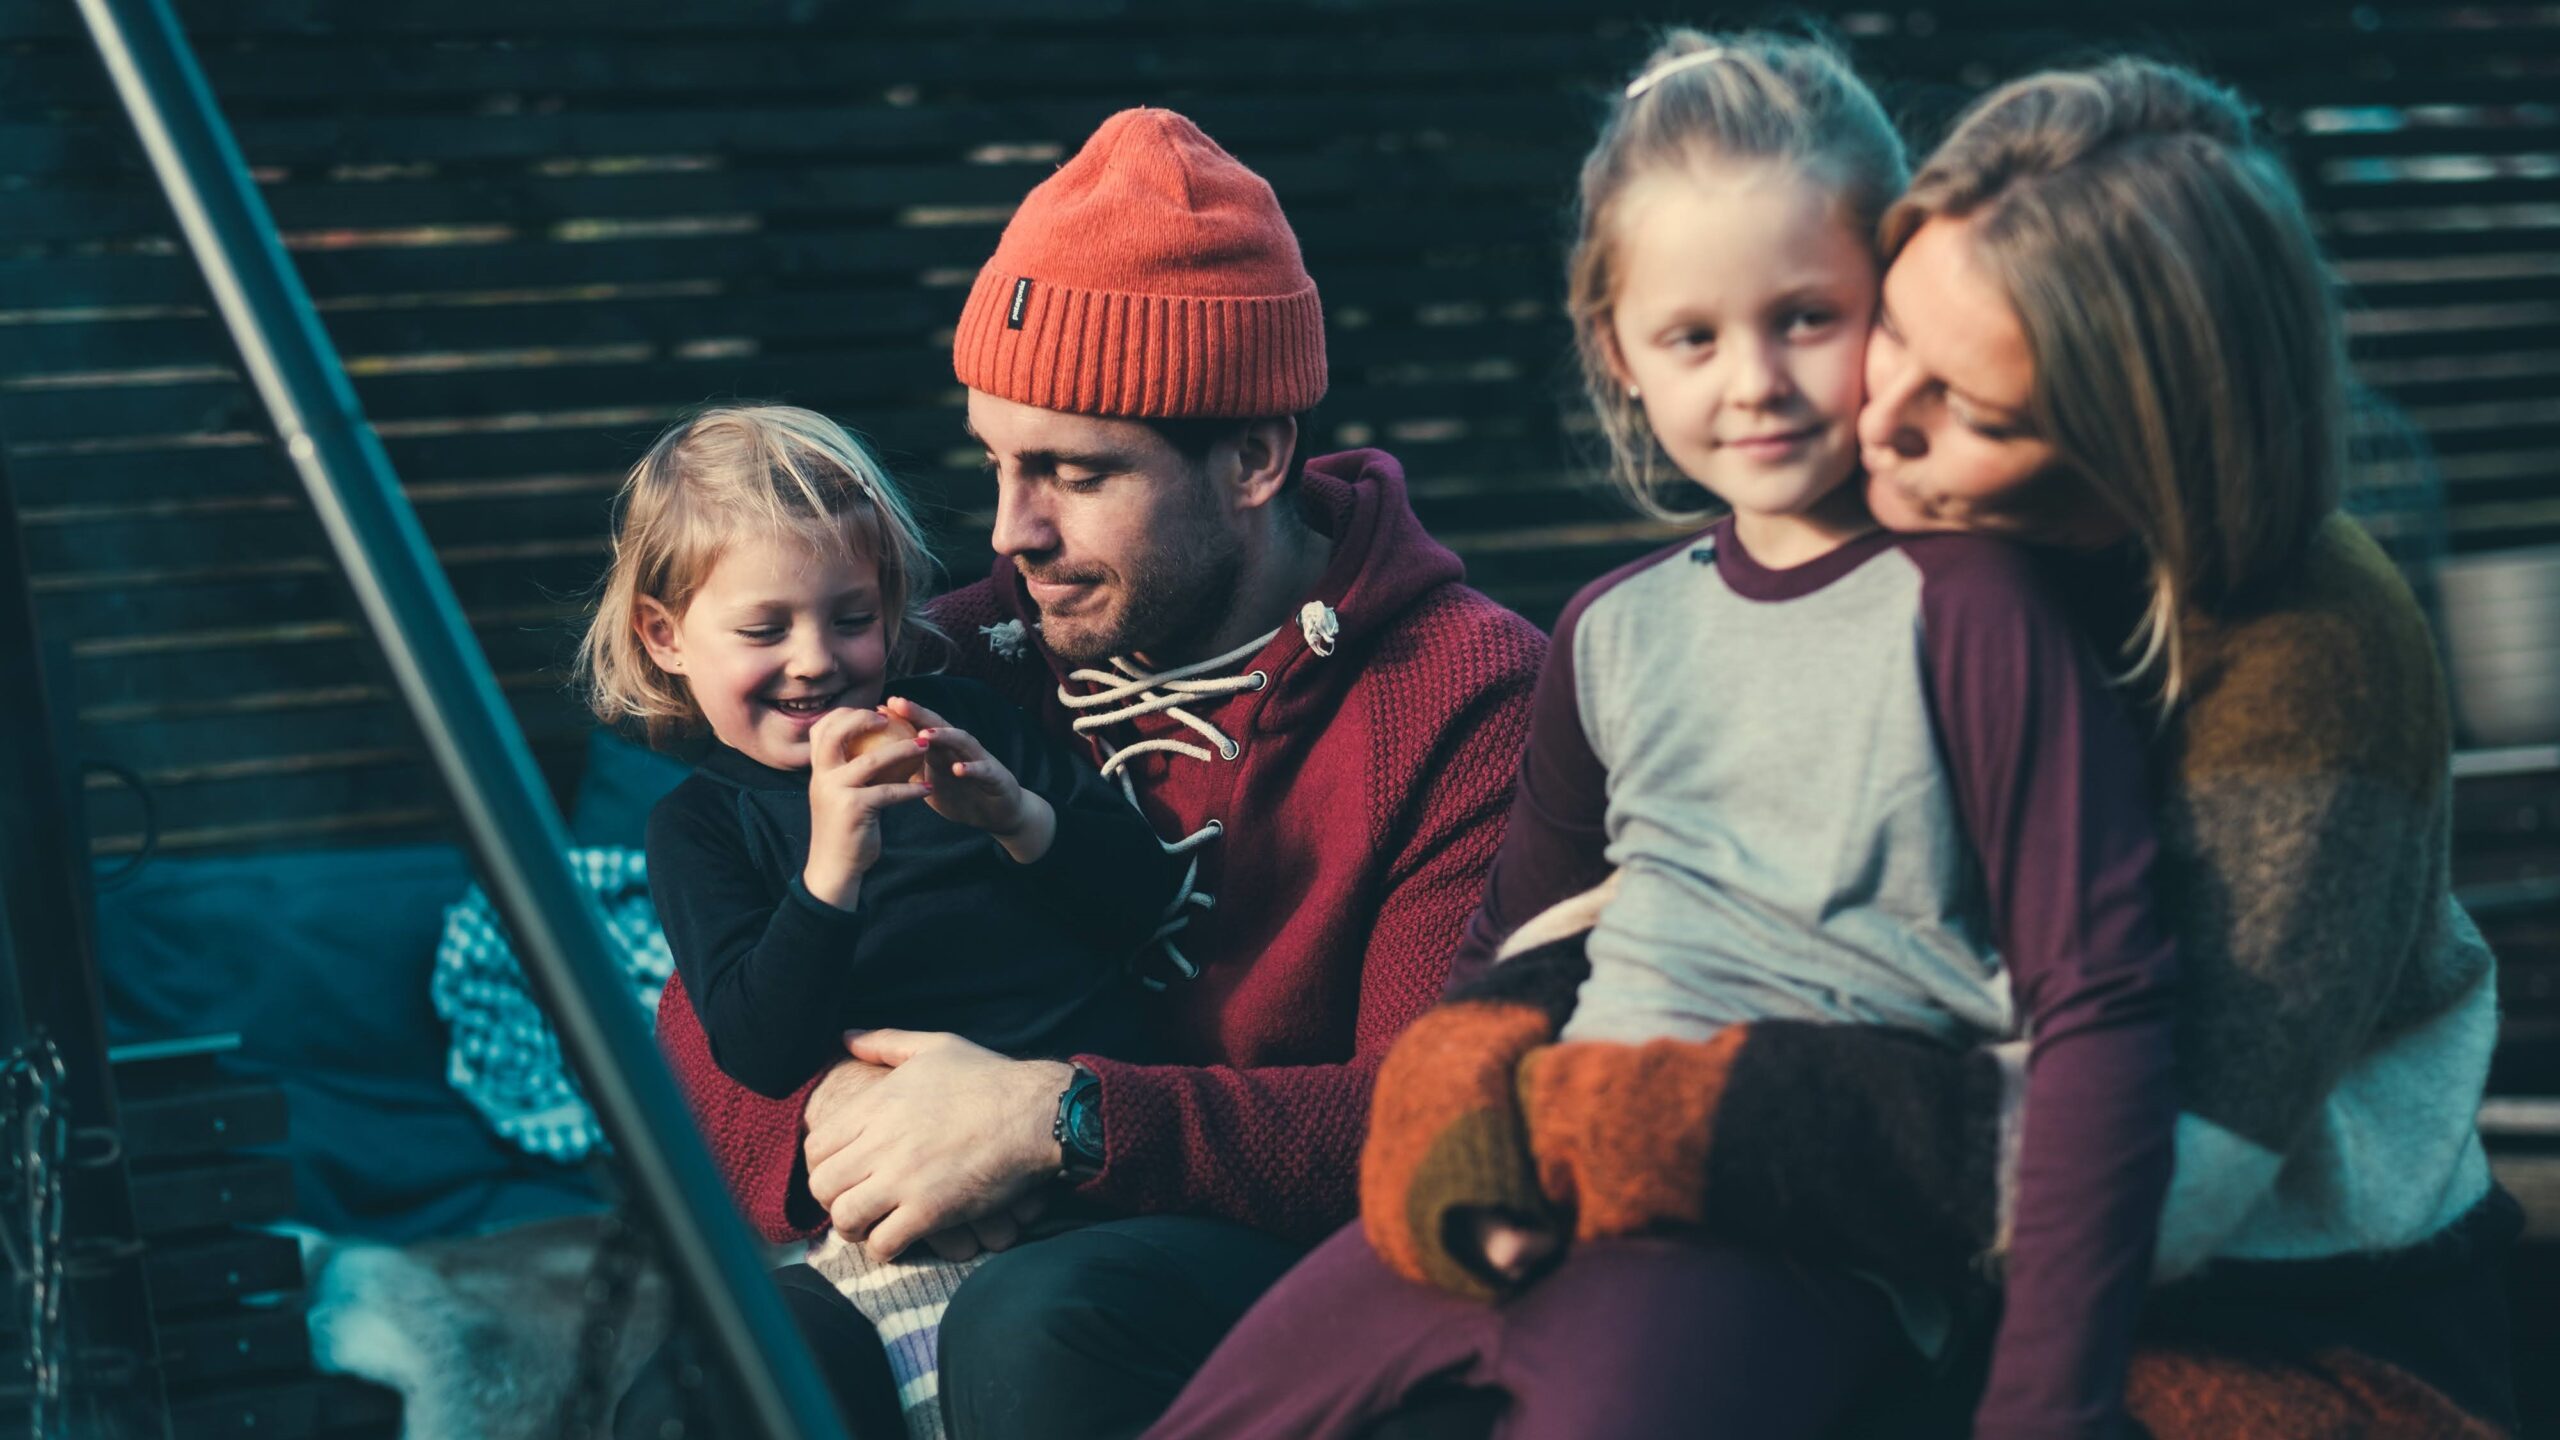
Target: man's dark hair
1192,437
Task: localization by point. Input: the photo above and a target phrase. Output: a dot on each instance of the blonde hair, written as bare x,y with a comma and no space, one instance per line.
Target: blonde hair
742,469
1701,98
2189,366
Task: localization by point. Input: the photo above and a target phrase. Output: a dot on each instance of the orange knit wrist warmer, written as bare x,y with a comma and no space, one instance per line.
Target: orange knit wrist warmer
1445,1135
1622,1132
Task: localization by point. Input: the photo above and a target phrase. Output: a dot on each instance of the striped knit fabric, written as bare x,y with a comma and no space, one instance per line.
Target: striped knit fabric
904,1300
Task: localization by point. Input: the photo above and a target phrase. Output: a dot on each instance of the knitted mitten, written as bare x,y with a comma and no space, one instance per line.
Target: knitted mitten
1622,1132
1444,1125
1445,1135
1865,1146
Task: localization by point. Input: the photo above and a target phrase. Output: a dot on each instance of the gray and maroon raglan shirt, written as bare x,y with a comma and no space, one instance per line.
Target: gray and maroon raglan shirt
1890,786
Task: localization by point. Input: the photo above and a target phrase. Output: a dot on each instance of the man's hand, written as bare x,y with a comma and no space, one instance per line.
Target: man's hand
954,1135
849,1078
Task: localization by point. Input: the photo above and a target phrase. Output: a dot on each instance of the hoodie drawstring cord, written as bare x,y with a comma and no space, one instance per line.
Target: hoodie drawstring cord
1127,692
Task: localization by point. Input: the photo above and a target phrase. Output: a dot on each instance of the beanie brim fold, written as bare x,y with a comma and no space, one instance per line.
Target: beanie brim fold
1140,356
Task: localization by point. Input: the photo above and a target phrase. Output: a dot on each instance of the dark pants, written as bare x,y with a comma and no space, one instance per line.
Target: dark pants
846,1349
1090,1334
1635,1338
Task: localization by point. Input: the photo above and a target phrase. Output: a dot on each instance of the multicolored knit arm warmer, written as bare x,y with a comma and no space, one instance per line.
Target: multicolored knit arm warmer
1713,1134
1445,1132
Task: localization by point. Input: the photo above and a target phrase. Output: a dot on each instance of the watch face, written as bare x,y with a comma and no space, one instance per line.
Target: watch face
1084,1122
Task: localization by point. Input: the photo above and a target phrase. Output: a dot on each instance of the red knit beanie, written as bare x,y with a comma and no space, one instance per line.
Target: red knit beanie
1153,276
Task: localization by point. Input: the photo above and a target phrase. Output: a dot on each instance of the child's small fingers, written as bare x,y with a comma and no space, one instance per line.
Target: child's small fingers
827,738
914,714
882,797
951,740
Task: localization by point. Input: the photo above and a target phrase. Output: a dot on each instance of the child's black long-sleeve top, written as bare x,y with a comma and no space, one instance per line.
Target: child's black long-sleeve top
949,933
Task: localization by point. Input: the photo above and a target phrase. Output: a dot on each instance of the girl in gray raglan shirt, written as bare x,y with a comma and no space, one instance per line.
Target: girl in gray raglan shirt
1826,772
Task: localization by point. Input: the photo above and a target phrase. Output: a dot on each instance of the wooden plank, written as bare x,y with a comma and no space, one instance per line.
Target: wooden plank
163,750
179,543
2513,329
181,471
75,148
2346,197
413,826
798,255
311,593
221,665
363,794
311,696
58,414
2452,380
2496,134
661,320
853,381
1453,319
686,312
2535,1182
785,21
270,72
2457,233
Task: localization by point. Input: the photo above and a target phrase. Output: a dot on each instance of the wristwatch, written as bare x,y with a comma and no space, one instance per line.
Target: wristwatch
1078,1130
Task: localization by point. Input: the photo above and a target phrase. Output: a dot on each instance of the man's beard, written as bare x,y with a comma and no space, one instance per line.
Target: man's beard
1176,596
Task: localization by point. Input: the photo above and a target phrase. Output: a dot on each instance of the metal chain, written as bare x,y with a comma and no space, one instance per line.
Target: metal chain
35,1080
613,1277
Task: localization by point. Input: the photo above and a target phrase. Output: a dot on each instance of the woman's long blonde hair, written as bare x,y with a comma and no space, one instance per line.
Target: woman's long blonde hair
2189,366
742,469
1704,99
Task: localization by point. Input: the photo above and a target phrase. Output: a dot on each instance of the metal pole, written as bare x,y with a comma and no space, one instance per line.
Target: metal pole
513,831
49,989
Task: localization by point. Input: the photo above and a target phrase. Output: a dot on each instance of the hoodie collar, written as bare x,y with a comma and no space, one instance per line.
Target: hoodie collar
1383,561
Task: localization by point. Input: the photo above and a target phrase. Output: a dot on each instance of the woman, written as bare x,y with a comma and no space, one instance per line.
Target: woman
2106,327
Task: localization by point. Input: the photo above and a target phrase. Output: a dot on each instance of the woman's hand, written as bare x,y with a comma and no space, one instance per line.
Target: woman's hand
970,787
845,801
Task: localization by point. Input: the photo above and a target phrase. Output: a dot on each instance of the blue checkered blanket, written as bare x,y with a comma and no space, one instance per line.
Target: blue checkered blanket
504,1057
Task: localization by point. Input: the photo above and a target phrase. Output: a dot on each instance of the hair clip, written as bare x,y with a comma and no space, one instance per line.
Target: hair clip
1669,68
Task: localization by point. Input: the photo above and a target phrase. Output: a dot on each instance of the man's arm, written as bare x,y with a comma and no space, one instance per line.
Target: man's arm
754,1140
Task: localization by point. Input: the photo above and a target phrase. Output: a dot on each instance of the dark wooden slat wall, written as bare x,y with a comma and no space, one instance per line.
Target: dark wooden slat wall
539,232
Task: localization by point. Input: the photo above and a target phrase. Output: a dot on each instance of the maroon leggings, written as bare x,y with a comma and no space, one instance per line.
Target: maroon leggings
1645,1337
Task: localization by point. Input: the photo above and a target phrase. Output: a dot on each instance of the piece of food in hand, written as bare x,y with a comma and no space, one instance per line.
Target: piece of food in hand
895,735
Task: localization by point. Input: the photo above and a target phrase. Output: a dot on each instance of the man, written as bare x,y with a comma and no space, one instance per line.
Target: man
1290,680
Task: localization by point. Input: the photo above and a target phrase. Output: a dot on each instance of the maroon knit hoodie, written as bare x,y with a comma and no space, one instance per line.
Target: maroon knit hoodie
1359,818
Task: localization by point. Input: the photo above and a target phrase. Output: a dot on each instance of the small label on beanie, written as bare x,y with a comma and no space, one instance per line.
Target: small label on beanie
1021,300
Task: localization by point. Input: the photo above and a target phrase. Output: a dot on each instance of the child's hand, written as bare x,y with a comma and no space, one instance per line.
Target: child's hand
846,797
971,787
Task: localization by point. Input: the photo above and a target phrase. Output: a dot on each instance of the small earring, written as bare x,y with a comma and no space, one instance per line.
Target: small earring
1634,394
